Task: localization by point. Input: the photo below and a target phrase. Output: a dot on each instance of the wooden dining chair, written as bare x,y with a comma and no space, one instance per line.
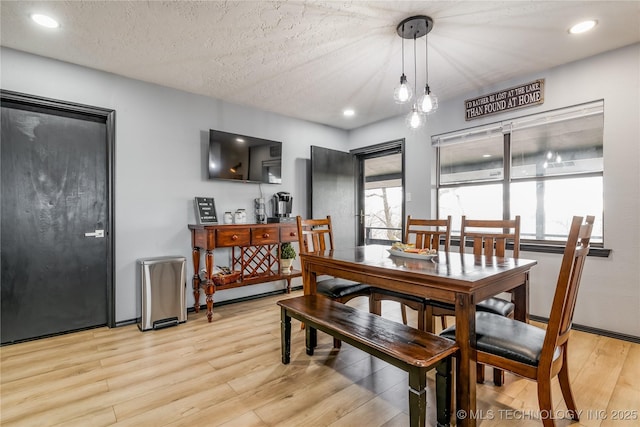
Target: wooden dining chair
424,234
489,238
532,352
316,235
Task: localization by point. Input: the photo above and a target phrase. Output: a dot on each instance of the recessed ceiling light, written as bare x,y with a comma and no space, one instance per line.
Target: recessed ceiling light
583,27
348,112
44,20
240,140
486,155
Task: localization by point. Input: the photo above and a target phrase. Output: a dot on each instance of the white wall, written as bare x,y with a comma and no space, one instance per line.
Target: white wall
610,291
161,136
161,140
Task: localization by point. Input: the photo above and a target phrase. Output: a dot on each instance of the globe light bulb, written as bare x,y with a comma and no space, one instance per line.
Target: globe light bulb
428,102
403,93
415,120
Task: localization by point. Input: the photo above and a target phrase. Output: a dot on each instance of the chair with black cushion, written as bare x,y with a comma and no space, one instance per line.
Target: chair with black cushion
488,238
316,235
532,352
424,234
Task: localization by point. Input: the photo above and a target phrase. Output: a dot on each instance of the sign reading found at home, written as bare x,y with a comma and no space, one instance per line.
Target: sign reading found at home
206,210
505,100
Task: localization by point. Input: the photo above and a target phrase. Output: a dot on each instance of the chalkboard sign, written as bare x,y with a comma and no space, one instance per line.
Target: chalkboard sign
206,210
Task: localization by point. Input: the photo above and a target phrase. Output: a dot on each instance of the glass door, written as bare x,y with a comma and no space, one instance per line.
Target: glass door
380,210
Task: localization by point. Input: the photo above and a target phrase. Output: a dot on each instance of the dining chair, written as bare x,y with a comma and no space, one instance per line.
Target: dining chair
532,352
316,235
424,234
488,238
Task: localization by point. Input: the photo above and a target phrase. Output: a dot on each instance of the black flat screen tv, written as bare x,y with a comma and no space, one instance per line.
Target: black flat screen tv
244,158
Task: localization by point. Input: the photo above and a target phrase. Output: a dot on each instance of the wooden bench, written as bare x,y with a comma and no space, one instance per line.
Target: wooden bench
407,348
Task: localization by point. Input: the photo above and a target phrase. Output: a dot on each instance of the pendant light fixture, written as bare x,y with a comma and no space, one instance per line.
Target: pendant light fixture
415,120
428,102
402,94
414,28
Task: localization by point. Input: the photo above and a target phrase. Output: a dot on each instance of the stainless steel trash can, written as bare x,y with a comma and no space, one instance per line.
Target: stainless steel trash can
163,286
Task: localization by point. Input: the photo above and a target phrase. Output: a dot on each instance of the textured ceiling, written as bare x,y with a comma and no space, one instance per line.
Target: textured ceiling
312,59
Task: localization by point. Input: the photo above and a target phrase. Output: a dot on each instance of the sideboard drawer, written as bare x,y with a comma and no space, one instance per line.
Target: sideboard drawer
232,237
264,236
288,234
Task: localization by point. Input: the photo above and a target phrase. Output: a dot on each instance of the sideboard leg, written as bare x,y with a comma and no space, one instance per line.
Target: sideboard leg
209,287
195,282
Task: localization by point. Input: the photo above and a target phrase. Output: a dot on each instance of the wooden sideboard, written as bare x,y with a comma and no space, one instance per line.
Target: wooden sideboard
255,254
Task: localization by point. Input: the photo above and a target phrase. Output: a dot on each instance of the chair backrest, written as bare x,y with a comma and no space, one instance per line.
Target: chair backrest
315,235
564,299
490,237
428,233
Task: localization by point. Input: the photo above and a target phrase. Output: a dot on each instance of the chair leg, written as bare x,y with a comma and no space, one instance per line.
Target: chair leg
565,387
498,377
375,306
403,309
428,318
544,400
479,373
443,321
422,319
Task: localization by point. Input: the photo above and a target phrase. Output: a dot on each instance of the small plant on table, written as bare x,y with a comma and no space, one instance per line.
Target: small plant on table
287,255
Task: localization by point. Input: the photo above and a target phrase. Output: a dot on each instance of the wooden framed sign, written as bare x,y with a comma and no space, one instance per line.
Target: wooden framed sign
509,99
206,210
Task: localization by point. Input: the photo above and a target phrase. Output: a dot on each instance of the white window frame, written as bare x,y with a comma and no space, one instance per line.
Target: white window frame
468,136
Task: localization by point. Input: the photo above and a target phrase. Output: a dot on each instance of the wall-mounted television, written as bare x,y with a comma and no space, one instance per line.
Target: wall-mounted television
244,158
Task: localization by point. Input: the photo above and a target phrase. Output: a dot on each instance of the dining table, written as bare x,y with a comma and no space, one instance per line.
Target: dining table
462,279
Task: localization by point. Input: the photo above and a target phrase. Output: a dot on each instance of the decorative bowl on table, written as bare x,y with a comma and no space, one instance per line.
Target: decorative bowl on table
410,251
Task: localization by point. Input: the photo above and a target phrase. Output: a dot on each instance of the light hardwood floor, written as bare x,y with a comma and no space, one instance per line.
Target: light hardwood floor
228,373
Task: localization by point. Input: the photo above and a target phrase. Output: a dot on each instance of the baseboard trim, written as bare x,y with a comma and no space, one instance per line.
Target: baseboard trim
217,304
248,298
595,331
577,327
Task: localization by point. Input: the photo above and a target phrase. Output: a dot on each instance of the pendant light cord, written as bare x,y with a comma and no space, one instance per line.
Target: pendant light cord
403,50
415,67
426,61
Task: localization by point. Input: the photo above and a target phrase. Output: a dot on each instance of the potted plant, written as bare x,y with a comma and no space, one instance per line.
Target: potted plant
287,255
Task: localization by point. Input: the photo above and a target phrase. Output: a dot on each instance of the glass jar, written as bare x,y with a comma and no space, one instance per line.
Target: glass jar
240,217
228,218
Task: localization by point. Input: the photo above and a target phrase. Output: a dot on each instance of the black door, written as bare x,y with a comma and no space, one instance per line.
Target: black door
333,192
56,243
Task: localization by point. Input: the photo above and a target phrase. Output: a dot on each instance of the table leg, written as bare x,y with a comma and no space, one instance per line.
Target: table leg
308,280
195,281
308,283
520,297
209,289
466,366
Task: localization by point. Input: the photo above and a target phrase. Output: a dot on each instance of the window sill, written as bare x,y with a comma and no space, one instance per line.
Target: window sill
547,248
555,249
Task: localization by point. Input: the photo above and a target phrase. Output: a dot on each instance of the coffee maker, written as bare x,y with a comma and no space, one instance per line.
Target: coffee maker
282,204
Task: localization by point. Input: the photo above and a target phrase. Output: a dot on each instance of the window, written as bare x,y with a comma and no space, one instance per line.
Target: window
382,199
545,168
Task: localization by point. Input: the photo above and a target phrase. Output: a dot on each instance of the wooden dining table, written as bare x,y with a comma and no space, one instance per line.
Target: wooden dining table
461,279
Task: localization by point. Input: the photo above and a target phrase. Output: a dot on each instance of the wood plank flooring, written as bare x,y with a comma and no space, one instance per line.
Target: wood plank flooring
228,373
